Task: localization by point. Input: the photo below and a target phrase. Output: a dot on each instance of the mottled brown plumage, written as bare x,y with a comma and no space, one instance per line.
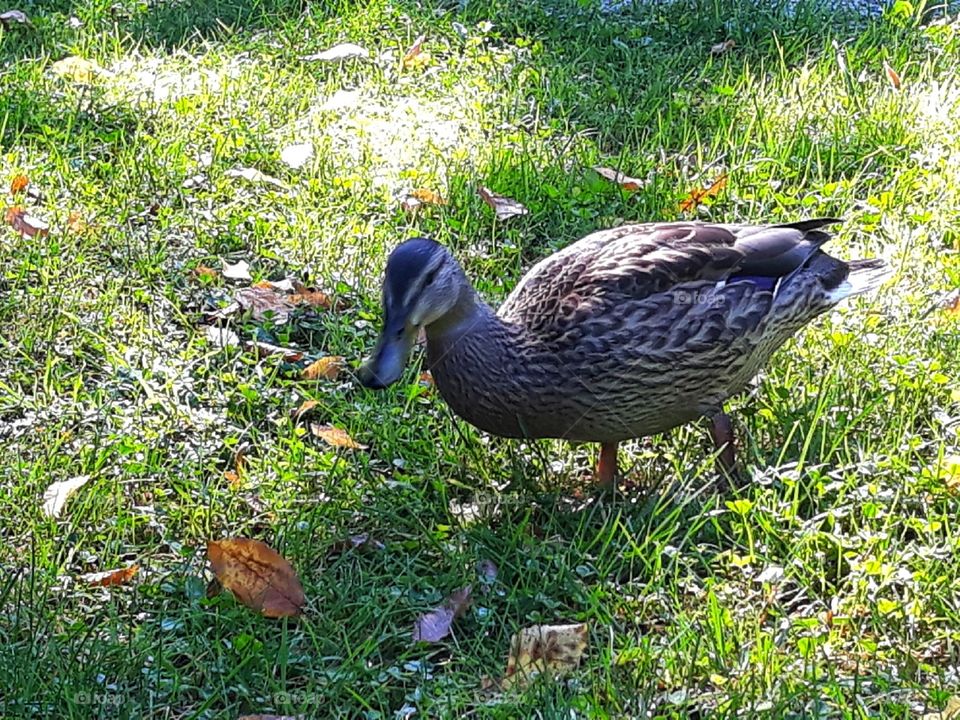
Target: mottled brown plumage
626,333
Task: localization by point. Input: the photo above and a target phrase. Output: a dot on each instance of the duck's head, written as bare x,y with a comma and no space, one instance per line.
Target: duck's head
422,284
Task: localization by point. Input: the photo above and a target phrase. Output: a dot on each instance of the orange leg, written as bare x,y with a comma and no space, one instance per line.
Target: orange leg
607,466
721,430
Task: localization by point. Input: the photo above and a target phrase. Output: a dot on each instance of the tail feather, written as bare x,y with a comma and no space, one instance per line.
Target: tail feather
863,276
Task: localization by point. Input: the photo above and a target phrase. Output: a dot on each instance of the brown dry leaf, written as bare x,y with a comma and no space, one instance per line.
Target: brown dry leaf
545,648
257,575
108,578
426,379
435,625
698,195
26,224
302,295
305,407
413,52
19,184
205,273
335,436
233,477
75,223
950,712
10,17
721,48
892,75
615,176
504,207
263,300
326,367
55,496
421,196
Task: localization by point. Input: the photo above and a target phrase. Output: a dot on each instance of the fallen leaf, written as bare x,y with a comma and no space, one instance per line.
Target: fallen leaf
426,379
237,271
951,304
951,711
892,75
335,436
26,224
55,496
413,52
721,48
326,367
435,625
305,407
233,477
615,176
504,207
698,195
264,349
10,17
19,184
205,273
420,196
255,176
296,156
314,298
75,223
257,575
545,648
77,69
221,336
261,302
108,578
343,51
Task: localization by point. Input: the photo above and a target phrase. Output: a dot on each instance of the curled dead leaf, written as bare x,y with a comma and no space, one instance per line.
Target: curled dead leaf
326,367
698,195
892,75
615,176
411,55
26,224
435,625
305,407
263,302
502,206
335,436
108,578
257,575
554,649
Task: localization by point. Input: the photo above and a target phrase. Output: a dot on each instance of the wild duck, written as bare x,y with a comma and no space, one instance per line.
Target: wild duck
627,332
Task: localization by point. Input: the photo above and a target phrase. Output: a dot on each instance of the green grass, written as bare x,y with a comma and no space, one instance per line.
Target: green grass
106,371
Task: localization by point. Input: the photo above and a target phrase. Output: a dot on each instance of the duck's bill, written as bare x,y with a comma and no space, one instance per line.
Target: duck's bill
385,366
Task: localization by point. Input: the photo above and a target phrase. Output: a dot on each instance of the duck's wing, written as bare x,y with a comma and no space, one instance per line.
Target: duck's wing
634,262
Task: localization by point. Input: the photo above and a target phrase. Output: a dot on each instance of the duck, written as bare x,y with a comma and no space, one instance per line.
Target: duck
626,333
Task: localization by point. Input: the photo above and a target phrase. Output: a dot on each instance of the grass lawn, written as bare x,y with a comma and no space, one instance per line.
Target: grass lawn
824,587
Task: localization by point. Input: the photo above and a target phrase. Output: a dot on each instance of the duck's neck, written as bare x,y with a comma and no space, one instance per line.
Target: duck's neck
473,356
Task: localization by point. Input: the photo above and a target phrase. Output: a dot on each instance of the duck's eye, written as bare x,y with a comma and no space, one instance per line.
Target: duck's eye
430,276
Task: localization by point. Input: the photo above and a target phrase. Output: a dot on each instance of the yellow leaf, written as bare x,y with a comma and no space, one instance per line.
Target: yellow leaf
19,184
257,575
698,195
326,367
335,436
554,649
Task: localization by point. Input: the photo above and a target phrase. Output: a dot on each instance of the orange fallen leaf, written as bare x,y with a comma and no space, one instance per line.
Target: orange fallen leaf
108,578
615,176
19,184
698,195
233,477
305,407
426,379
723,47
75,223
326,367
414,51
545,648
257,575
420,196
435,625
502,206
205,273
335,436
892,75
303,295
26,224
